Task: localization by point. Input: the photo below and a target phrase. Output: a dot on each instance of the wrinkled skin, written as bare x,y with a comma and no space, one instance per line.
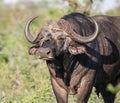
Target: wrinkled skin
76,67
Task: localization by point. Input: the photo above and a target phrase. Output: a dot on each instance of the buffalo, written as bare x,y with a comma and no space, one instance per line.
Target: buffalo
81,52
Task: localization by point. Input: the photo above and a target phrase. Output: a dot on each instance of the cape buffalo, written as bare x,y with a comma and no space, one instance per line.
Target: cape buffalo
81,52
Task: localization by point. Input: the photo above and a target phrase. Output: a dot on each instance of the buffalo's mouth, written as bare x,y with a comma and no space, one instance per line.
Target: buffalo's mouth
46,58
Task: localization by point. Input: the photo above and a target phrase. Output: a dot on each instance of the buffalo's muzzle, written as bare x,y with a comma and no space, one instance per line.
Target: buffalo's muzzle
45,53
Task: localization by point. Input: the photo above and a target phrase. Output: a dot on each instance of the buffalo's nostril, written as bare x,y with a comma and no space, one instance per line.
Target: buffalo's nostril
48,52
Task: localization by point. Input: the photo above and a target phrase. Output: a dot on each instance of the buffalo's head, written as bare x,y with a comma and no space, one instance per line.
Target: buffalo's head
57,37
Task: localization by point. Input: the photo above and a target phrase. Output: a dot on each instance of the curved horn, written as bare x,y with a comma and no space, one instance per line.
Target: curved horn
87,39
28,35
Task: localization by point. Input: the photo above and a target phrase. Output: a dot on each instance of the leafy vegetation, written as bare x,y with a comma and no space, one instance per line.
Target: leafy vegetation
24,78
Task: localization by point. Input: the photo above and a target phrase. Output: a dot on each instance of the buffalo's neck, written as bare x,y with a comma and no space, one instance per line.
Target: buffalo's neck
70,63
62,67
68,70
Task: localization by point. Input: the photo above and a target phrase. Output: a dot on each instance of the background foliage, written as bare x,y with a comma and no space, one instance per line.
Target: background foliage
24,78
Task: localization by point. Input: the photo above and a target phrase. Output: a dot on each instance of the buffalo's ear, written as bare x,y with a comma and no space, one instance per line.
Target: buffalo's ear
33,50
75,50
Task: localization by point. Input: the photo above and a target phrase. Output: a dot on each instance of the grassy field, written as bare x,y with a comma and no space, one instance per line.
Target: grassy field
24,78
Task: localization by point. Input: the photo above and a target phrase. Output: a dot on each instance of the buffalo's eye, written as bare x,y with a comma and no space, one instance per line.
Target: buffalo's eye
47,40
56,30
48,35
41,37
46,43
60,38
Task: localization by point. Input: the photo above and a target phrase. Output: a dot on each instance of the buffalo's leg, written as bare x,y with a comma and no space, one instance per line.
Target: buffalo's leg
107,96
84,93
85,88
60,93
